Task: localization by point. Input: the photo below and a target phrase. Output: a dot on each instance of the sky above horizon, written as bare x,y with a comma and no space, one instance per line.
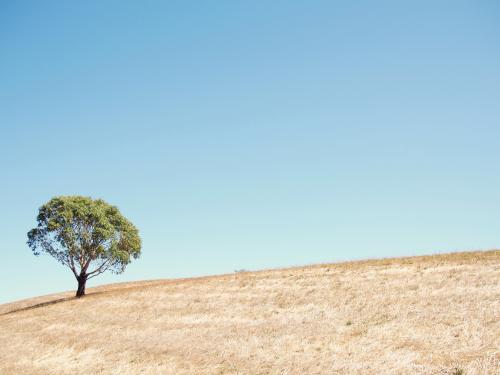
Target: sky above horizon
250,135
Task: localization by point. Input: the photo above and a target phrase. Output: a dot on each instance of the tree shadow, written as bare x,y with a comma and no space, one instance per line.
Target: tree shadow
48,303
91,294
38,305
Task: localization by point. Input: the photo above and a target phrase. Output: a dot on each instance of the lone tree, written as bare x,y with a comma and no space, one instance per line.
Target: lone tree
88,236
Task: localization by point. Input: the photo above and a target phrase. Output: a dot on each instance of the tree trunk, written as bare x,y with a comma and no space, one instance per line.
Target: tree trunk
82,280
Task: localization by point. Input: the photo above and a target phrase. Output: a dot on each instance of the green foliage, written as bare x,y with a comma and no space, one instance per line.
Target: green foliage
88,236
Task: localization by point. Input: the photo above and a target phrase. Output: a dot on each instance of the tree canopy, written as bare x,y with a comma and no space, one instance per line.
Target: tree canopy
87,235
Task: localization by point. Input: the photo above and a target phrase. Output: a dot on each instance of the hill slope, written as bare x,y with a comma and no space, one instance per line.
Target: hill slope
420,315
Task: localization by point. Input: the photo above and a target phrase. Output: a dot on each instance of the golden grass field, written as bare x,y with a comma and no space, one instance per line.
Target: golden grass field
423,315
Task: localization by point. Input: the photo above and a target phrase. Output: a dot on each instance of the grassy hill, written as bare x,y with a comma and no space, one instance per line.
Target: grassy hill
421,315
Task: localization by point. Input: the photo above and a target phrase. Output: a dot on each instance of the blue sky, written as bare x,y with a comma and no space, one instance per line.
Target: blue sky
251,134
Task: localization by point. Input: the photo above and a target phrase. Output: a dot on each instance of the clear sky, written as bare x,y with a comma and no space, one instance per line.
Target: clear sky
251,134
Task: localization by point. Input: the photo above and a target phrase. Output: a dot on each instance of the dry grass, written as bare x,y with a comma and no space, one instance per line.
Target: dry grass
423,315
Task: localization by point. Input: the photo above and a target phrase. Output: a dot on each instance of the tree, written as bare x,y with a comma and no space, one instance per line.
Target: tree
88,236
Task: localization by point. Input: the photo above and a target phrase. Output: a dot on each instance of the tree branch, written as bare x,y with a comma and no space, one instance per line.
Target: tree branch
100,269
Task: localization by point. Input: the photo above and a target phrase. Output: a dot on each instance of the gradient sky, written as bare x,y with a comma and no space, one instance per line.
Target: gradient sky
251,134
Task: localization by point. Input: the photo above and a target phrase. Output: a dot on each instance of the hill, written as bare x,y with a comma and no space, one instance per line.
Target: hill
421,315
